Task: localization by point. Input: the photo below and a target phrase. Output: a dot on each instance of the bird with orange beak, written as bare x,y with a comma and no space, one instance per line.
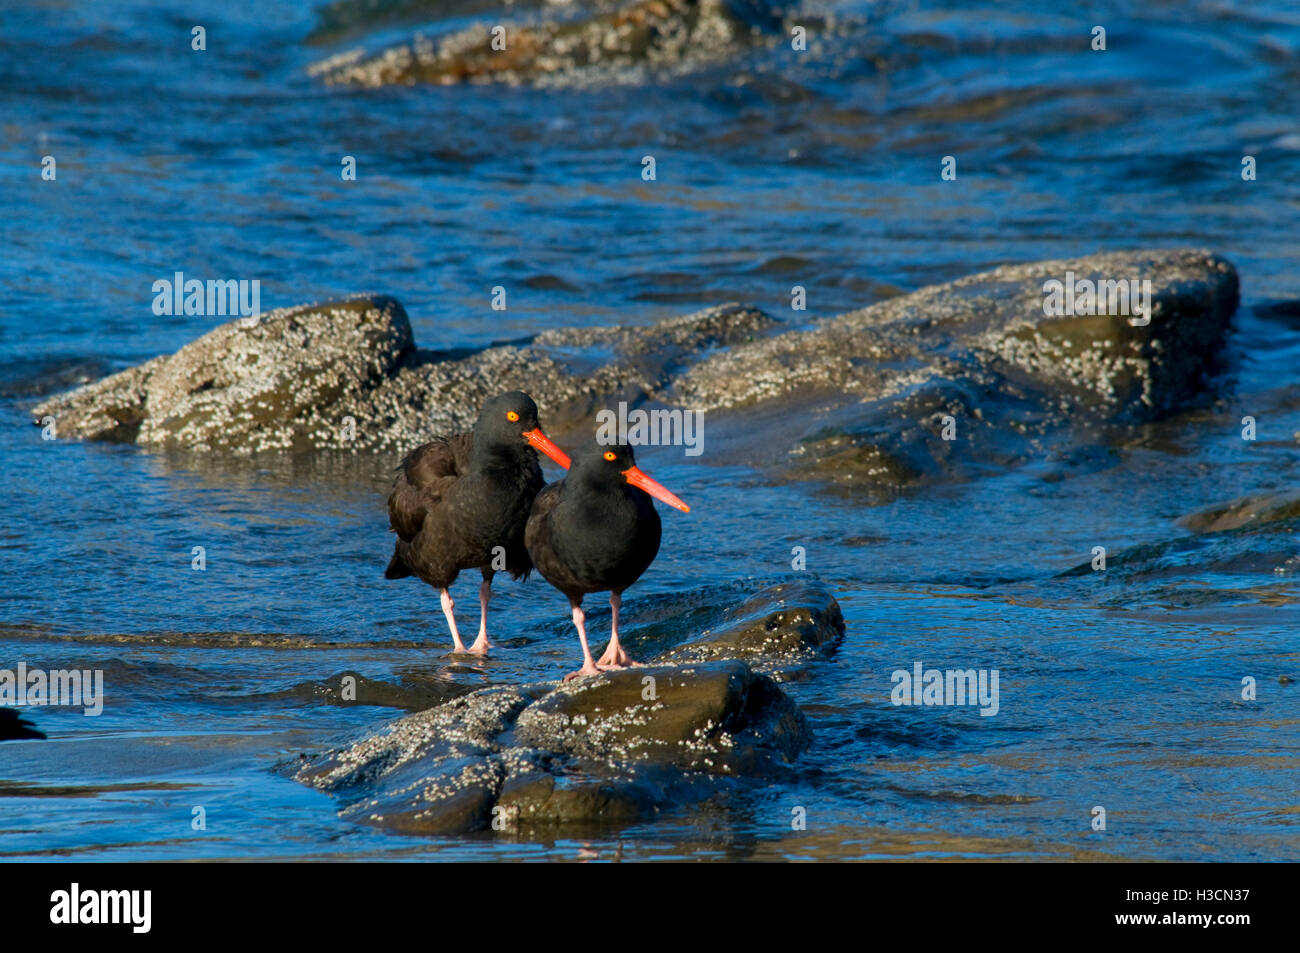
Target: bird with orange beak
462,502
596,531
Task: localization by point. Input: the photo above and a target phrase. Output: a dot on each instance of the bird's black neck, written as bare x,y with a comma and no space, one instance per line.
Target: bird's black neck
490,455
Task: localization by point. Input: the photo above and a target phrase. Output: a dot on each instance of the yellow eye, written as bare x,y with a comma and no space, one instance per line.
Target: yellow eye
611,456
511,415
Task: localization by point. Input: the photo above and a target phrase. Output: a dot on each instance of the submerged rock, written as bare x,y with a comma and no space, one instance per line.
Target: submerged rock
610,748
777,625
607,749
1234,554
635,35
412,692
26,378
1257,510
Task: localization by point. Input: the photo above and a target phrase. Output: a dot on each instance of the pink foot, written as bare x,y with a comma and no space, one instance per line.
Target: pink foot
480,646
615,657
587,669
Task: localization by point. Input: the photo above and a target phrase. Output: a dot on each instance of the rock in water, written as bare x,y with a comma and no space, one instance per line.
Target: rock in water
659,34
774,627
283,379
292,379
1255,511
602,750
958,377
995,322
942,383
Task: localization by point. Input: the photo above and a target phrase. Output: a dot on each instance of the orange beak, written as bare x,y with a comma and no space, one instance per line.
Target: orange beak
643,482
543,443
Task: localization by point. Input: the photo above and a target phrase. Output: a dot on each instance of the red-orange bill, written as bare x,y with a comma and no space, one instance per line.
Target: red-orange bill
543,443
659,492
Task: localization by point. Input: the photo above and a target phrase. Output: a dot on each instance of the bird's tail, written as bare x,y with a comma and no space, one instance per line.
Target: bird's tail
396,568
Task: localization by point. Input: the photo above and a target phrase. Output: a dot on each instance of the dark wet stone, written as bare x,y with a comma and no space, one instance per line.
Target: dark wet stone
1258,510
687,715
1251,539
775,626
27,379
542,798
606,749
414,693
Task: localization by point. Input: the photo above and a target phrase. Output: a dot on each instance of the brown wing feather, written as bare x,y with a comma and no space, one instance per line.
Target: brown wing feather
423,480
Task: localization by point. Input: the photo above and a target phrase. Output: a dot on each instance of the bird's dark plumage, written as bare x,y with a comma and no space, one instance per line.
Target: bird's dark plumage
592,531
462,502
450,508
596,531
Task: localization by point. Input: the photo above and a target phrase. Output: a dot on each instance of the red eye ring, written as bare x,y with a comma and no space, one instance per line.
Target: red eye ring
611,456
511,416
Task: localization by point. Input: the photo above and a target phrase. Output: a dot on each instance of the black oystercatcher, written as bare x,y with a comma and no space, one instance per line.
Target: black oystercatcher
597,530
462,502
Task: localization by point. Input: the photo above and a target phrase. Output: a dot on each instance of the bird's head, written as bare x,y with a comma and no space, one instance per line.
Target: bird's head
510,419
614,464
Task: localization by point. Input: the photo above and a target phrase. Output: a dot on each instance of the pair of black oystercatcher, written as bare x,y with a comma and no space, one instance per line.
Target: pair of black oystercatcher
478,501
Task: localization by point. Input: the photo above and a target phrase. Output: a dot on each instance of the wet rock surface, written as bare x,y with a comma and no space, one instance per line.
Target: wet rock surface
352,688
625,40
862,399
980,357
1246,541
776,627
295,376
283,379
1250,512
596,751
611,747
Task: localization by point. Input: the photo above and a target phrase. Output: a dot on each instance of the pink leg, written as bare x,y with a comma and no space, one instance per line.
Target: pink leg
588,664
481,644
447,606
614,657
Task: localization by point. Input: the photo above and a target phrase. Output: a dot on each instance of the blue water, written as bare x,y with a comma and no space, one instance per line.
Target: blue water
774,169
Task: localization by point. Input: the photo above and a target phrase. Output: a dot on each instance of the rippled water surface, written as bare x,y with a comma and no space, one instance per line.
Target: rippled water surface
1120,689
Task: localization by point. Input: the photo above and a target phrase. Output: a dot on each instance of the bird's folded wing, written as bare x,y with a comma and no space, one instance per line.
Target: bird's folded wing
424,479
